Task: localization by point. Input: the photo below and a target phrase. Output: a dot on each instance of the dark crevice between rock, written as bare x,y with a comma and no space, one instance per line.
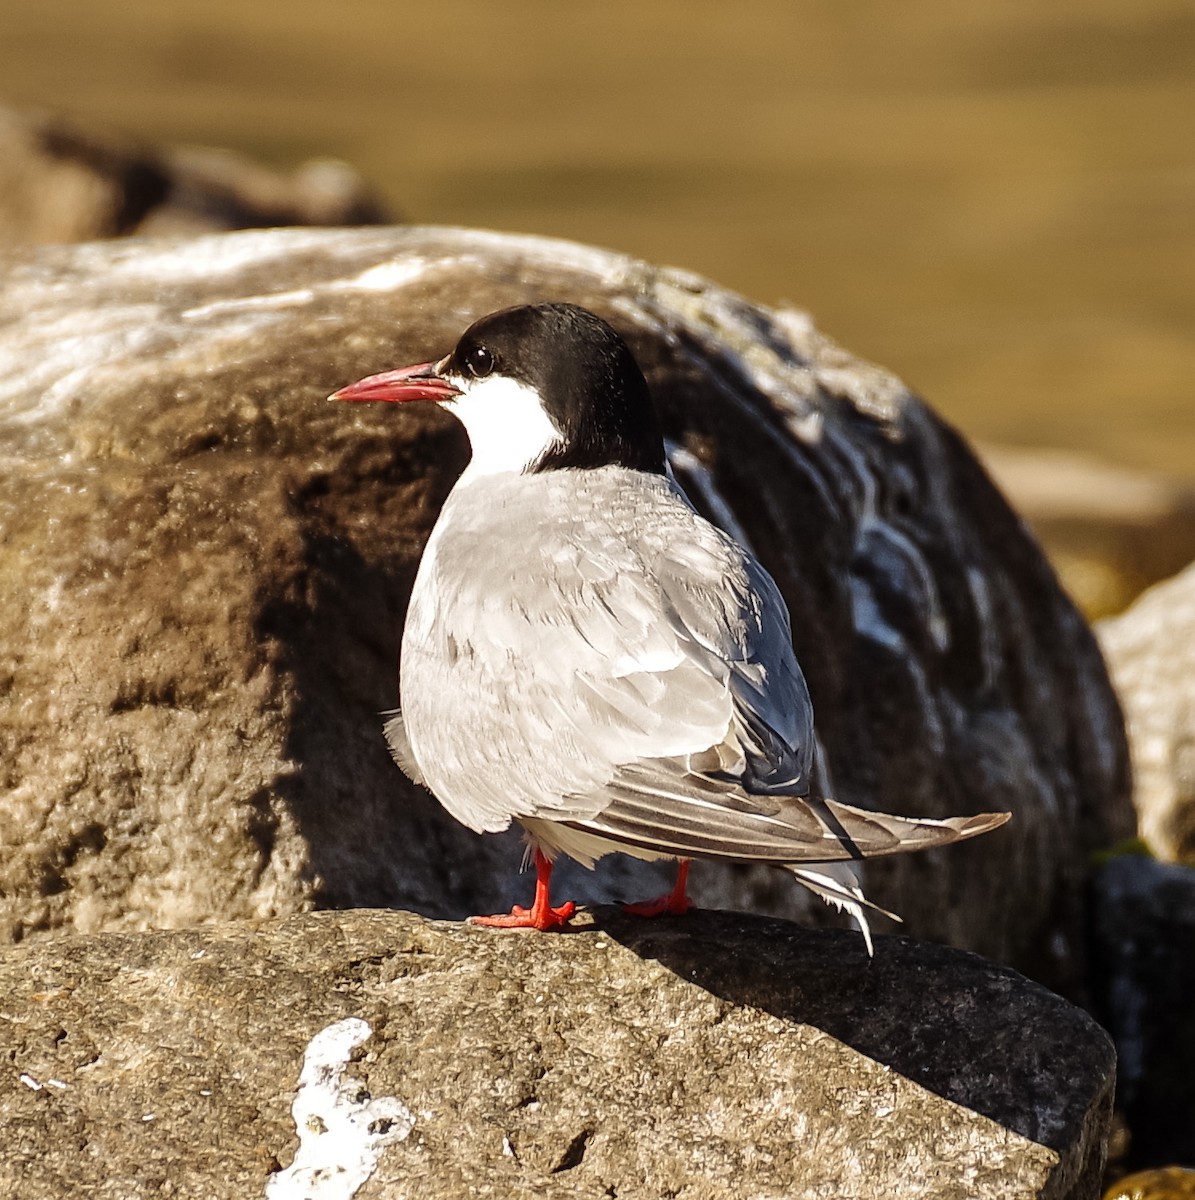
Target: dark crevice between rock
574,1153
261,826
89,841
370,960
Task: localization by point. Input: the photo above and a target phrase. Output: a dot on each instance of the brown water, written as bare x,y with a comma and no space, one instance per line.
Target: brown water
996,200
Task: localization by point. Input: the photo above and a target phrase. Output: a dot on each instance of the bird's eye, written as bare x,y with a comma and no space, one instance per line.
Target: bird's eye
479,361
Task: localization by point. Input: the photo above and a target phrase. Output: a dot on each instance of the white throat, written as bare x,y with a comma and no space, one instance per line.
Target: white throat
506,423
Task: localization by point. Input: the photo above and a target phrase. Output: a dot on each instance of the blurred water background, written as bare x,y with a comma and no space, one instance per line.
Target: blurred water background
994,199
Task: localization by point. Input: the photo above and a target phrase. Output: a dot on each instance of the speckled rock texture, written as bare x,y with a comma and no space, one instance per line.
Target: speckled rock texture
204,568
1151,653
715,1055
65,181
1144,973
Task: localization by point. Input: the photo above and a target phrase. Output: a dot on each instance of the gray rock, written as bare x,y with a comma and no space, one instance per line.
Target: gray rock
712,1056
65,181
204,568
1144,981
1151,654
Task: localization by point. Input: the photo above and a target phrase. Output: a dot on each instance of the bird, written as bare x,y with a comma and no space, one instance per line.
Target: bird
587,655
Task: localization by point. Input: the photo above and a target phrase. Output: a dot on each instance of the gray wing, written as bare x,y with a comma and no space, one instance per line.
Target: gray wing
680,806
632,631
661,807
697,654
643,688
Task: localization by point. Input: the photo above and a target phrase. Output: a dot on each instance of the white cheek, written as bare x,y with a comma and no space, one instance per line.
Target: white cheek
507,426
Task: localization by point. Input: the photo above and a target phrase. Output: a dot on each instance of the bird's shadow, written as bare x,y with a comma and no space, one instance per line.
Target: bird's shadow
975,1033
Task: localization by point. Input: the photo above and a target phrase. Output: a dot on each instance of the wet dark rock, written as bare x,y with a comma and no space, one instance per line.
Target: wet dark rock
65,181
711,1056
1144,980
1151,653
204,570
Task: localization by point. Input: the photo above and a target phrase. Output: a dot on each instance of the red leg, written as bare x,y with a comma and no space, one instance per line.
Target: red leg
674,903
541,914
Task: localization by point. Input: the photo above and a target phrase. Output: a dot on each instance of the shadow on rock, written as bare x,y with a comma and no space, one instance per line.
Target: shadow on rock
336,632
975,1033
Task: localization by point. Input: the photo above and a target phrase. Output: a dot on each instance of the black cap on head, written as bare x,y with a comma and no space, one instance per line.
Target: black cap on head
587,379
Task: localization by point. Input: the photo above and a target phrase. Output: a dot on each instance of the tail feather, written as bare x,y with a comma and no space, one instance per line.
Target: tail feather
867,834
837,884
659,806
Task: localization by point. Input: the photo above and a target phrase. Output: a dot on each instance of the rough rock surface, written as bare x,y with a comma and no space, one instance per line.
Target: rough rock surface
204,568
61,181
1151,653
1144,981
711,1056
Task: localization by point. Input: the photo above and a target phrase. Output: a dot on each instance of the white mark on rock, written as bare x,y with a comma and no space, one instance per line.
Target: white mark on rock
796,322
53,596
809,427
30,1082
384,277
342,1131
182,260
295,298
56,1083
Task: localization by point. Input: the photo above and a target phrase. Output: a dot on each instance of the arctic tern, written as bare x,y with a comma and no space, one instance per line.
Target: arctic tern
585,654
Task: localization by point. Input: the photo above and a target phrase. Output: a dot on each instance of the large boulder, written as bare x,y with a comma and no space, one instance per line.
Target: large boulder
1151,653
712,1056
204,569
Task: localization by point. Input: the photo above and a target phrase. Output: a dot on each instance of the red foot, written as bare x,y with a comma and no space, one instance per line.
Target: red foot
541,915
534,917
673,904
